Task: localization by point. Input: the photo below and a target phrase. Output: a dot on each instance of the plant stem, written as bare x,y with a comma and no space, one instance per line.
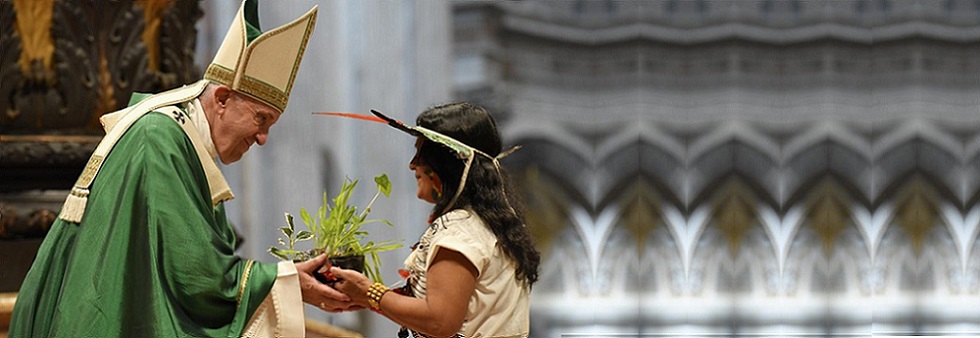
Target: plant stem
368,209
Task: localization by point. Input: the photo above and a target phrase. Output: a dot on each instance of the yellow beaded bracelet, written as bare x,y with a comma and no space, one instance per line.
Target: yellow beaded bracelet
374,294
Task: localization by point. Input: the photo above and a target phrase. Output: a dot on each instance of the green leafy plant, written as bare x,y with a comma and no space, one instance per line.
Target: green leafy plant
336,230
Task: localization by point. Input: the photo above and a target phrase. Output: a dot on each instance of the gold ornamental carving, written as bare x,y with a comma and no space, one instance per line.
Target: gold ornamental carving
34,27
828,213
153,11
734,213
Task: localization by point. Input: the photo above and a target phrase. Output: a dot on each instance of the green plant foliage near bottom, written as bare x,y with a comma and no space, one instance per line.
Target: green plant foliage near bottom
336,230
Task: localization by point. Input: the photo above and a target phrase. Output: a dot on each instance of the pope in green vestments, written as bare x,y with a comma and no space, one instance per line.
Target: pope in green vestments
142,247
151,258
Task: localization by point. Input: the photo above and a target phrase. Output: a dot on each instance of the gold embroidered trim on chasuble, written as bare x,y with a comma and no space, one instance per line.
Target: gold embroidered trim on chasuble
117,124
91,168
244,283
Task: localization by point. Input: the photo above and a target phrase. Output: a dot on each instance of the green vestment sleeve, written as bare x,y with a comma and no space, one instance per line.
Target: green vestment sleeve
152,256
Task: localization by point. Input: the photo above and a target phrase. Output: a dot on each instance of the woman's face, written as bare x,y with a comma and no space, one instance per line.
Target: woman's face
429,185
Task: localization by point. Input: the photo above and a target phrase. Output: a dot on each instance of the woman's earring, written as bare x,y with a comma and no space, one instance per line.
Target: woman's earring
436,194
436,184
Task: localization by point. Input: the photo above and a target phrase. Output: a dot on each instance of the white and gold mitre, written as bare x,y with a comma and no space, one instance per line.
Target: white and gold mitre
261,65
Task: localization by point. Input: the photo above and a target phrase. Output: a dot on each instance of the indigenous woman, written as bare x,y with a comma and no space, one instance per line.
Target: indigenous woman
471,273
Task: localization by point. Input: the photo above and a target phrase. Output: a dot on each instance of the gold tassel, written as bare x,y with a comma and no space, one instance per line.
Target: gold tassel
74,206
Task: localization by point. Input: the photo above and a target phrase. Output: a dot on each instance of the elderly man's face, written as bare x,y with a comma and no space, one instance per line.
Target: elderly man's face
240,122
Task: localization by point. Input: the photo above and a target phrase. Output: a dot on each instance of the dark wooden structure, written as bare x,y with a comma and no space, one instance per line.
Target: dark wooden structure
63,64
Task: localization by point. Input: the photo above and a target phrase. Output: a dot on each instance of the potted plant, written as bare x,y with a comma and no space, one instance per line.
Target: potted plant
336,230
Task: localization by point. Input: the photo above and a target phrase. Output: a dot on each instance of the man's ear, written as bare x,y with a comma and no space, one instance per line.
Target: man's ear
221,96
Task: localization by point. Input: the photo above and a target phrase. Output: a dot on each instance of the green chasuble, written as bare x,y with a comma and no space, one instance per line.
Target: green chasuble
152,256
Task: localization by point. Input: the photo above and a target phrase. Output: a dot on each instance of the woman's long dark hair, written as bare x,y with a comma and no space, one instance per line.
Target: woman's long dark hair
484,191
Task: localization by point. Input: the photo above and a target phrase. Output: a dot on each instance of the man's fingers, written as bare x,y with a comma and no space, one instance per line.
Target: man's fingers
311,265
329,292
317,261
330,307
337,295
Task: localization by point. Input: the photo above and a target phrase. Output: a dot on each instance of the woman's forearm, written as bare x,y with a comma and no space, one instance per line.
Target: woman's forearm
420,315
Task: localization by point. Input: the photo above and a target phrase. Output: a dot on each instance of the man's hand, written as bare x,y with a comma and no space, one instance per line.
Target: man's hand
319,294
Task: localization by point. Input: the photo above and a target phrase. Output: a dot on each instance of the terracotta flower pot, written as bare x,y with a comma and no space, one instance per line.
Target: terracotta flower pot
355,262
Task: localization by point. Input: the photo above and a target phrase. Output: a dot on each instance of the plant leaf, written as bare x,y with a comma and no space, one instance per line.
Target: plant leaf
336,229
289,222
386,246
303,235
306,218
384,185
378,221
279,253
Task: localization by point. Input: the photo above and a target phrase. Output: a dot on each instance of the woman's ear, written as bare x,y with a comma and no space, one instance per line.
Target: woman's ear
436,183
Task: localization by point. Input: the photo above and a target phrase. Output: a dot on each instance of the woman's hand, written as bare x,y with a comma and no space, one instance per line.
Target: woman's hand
353,284
319,294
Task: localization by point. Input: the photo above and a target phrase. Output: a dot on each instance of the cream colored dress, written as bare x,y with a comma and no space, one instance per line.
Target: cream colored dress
500,305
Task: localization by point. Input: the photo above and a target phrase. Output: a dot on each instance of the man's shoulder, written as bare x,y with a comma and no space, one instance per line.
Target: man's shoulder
158,120
159,129
110,120
138,97
152,137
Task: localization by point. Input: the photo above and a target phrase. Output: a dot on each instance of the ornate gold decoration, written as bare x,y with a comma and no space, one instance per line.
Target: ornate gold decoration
547,206
220,74
828,213
734,213
917,210
34,27
153,17
265,67
88,174
241,287
72,61
251,86
106,101
641,213
264,92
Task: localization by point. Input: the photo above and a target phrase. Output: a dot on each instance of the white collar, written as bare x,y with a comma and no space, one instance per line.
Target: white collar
200,123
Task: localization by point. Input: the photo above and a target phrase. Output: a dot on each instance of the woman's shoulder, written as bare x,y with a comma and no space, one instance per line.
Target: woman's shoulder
456,216
459,218
463,222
